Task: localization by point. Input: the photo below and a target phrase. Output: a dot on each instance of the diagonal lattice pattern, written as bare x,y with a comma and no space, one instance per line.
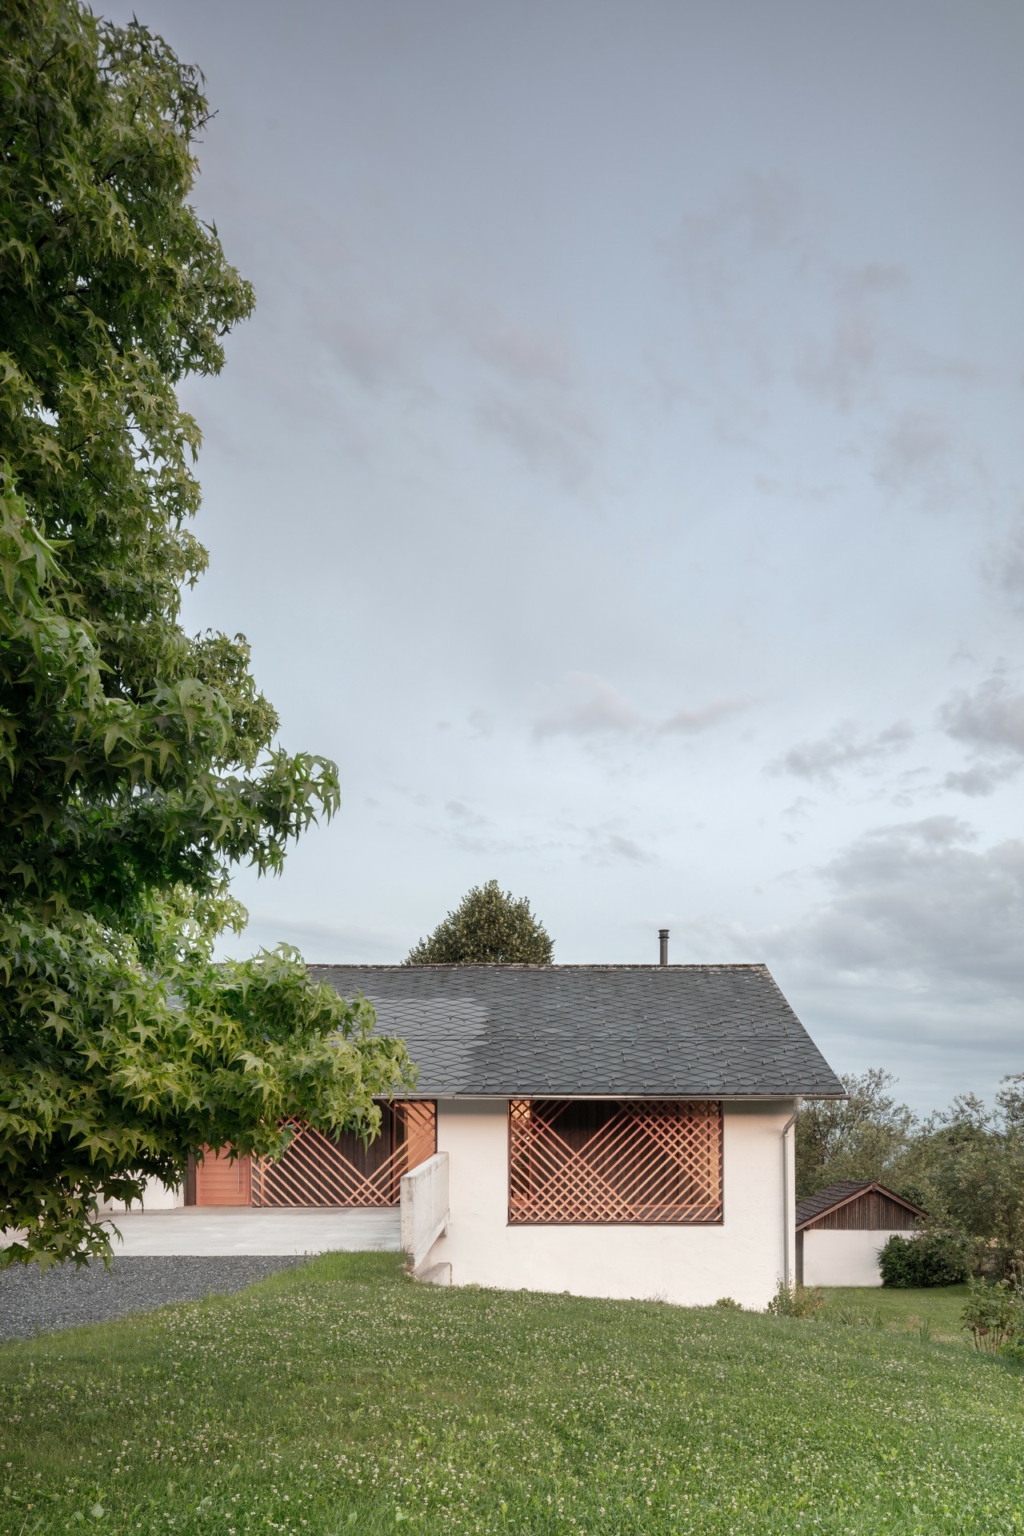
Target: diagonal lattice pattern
615,1161
316,1171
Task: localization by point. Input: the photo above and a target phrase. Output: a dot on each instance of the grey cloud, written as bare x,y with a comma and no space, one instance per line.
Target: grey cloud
609,847
841,748
913,959
872,279
588,706
991,719
370,354
553,438
774,223
689,722
980,781
915,453
463,816
915,904
841,370
519,352
1005,568
760,215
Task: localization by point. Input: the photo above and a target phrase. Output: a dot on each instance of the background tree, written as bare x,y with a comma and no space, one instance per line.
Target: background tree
862,1137
488,927
966,1166
137,763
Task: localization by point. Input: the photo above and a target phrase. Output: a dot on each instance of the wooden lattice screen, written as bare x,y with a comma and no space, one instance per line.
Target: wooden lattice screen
317,1171
577,1160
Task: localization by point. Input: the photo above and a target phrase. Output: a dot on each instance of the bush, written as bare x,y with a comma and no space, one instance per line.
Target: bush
795,1301
930,1258
727,1304
992,1312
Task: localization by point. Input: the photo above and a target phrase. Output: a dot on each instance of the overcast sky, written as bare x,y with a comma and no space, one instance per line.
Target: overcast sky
621,478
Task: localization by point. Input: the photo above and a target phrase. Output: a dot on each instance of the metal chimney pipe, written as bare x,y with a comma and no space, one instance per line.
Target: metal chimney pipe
663,946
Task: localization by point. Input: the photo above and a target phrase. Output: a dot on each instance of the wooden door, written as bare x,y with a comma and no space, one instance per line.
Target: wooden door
219,1181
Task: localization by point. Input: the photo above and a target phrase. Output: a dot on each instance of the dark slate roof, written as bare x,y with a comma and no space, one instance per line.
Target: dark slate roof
631,1031
840,1193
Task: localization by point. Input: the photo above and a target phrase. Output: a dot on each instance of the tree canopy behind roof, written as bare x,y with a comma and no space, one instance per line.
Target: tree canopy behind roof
488,927
138,763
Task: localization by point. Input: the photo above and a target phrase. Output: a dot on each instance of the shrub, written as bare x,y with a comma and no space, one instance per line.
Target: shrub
992,1312
930,1258
727,1304
795,1301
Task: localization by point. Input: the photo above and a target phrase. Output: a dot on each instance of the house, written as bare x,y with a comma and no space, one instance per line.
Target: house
841,1230
608,1130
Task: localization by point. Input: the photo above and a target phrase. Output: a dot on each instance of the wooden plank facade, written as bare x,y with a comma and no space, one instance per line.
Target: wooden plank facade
870,1212
870,1208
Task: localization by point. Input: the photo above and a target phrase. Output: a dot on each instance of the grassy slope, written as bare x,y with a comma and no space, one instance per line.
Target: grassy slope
343,1398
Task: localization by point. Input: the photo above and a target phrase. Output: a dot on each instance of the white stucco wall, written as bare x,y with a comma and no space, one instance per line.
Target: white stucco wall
692,1266
157,1197
843,1258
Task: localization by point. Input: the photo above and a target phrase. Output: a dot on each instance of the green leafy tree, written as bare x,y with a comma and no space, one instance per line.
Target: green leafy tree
138,764
862,1137
968,1164
488,927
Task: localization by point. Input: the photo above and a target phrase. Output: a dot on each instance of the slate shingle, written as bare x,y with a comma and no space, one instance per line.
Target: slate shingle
631,1031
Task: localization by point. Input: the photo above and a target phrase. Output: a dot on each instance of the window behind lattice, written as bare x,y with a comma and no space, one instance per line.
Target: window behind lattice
577,1160
317,1171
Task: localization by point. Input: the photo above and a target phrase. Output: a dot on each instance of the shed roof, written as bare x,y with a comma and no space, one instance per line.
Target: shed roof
842,1193
630,1031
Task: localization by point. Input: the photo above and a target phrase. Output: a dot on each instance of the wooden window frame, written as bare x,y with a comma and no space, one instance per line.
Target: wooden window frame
601,1202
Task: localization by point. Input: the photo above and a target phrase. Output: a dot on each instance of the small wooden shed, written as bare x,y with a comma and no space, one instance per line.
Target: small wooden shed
841,1230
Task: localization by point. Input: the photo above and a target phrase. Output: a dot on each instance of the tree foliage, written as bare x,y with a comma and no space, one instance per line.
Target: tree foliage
929,1258
862,1137
968,1166
488,927
964,1166
137,763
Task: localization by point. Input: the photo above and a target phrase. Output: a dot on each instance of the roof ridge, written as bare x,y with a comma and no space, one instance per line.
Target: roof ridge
515,965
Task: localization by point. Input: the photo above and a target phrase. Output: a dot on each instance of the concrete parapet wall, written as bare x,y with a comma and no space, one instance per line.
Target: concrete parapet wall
424,1206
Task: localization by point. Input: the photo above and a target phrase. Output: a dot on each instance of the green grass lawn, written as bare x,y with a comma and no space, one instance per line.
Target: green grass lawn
342,1398
933,1313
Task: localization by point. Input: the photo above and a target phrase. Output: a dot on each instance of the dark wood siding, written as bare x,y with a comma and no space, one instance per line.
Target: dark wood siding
869,1212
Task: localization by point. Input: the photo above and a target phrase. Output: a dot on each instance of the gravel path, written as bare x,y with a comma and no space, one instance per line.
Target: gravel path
65,1297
